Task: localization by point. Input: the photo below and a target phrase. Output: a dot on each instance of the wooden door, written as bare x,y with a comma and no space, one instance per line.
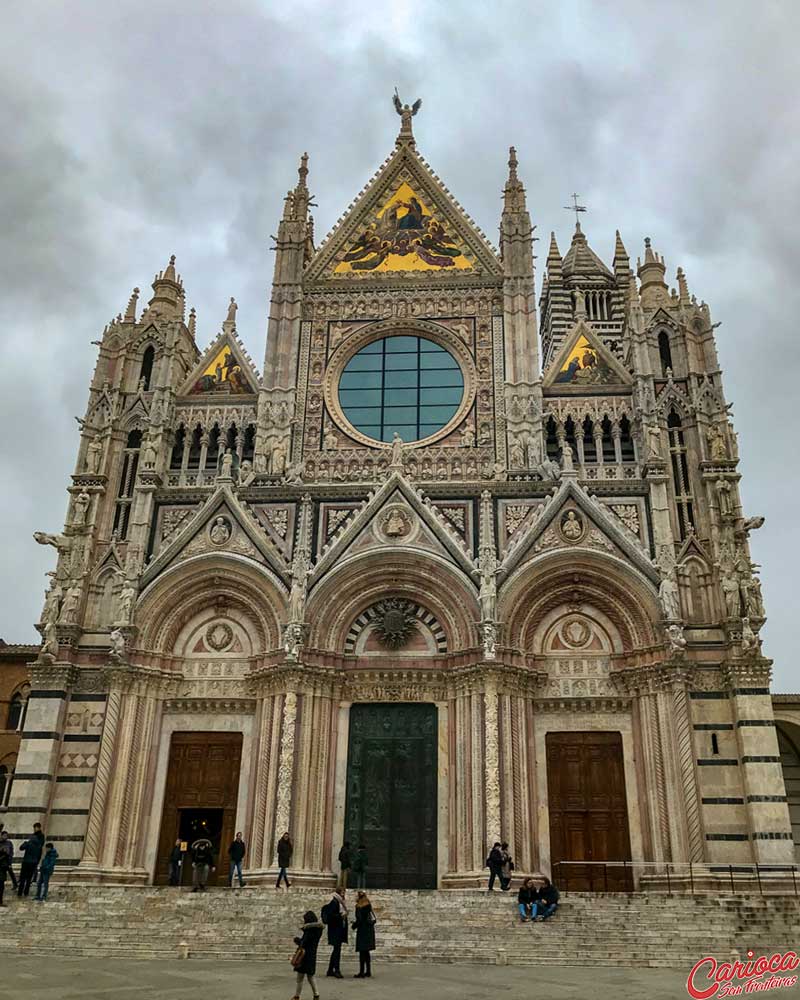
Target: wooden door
203,773
391,793
588,809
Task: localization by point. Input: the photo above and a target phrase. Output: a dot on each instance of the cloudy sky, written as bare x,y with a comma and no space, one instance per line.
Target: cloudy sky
133,130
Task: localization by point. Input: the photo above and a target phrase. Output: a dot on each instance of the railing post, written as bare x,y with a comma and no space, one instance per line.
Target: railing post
691,878
625,875
605,877
730,871
794,878
758,876
669,884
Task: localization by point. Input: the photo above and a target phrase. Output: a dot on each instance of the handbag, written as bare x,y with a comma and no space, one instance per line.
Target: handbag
297,958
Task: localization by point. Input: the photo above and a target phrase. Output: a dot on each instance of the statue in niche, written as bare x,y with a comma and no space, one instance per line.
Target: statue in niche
396,460
292,640
80,507
669,597
755,599
677,640
653,441
278,459
724,501
396,524
94,455
516,455
226,471
489,633
49,642
749,638
468,438
731,595
717,445
567,460
125,600
149,454
220,531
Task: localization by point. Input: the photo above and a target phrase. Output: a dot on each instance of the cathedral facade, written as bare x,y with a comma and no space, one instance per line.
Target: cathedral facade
442,574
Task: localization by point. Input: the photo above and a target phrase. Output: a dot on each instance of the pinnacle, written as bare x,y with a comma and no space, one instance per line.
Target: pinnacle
553,252
619,248
130,312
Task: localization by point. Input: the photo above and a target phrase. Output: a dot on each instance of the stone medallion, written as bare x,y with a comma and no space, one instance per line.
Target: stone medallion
220,531
219,636
575,632
393,622
572,527
395,524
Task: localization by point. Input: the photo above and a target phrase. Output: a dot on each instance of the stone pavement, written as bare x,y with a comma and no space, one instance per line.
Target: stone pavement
29,978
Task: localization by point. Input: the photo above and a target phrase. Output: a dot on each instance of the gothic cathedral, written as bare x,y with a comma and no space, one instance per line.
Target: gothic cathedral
434,578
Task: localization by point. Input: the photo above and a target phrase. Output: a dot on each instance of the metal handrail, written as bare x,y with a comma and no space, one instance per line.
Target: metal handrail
749,875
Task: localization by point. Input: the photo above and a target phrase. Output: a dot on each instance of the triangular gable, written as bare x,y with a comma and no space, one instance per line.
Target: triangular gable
395,489
692,547
404,221
225,369
611,535
221,503
662,318
584,362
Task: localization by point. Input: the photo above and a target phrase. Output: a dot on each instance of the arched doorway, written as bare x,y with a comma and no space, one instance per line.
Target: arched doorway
789,748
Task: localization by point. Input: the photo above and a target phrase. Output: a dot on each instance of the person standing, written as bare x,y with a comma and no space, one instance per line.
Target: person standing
31,853
45,871
359,863
364,926
507,867
7,848
175,863
202,863
284,850
309,942
495,865
334,914
345,863
5,868
236,853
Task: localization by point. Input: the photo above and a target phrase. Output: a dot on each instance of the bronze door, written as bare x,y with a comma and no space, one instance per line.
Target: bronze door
391,793
588,810
202,781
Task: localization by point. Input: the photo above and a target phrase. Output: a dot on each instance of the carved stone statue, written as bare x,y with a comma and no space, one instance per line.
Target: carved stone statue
245,470
94,456
489,633
226,470
69,608
468,438
396,461
118,642
753,524
724,502
571,526
278,459
396,524
717,445
677,640
749,638
125,601
406,112
669,597
52,601
80,507
567,461
488,591
516,455
294,474
149,454
653,441
548,469
730,592
292,640
49,642
231,317
755,599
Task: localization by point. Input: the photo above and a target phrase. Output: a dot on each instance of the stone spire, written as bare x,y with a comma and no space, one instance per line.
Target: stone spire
580,259
167,292
301,196
130,312
683,289
514,192
553,257
622,262
192,325
651,273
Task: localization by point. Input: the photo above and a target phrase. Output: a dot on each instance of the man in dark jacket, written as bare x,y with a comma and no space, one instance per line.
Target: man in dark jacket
45,871
345,863
334,914
546,901
4,870
526,897
360,862
175,862
7,848
495,864
31,853
236,853
202,863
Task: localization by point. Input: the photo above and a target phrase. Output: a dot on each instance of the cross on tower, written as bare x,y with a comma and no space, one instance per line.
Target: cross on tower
575,207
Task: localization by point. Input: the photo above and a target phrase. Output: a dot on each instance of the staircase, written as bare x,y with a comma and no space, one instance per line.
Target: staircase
462,926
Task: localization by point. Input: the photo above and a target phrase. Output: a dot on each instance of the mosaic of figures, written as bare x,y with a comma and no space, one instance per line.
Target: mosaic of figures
223,376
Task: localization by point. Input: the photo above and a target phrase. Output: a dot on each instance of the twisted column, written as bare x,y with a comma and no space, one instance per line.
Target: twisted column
102,781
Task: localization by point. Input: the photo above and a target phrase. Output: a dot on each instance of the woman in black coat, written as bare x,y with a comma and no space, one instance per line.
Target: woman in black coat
309,942
364,926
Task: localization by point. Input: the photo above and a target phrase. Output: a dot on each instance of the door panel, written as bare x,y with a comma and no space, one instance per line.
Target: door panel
203,774
391,793
588,809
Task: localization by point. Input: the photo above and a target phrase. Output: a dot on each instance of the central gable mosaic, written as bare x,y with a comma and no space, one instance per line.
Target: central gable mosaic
405,234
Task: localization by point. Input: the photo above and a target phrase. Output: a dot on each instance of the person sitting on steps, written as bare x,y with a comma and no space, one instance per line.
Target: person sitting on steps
546,903
526,897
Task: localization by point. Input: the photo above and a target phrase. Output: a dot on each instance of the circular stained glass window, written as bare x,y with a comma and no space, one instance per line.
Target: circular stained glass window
405,385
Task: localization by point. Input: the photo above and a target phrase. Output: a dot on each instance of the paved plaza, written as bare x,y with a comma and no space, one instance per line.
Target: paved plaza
37,978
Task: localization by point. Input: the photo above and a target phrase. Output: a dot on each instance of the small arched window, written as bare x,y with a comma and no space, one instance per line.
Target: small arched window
147,366
665,353
16,712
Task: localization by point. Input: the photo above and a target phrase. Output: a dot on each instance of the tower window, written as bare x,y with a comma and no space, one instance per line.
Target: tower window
665,352
127,481
552,440
147,366
589,446
16,712
681,483
626,441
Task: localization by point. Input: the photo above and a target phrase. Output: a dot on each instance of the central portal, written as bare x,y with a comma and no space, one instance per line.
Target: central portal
391,793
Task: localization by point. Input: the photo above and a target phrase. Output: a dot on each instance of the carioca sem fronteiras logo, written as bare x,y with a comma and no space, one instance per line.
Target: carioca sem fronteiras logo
726,979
